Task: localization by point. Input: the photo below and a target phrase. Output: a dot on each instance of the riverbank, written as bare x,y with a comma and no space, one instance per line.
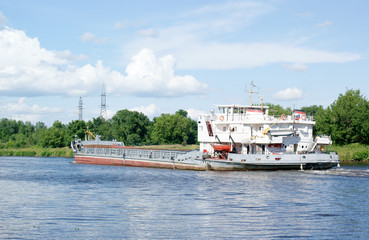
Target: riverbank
37,152
354,153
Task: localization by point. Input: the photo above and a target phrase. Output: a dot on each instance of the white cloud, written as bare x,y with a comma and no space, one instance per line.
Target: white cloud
120,25
26,69
151,76
226,16
87,37
289,94
90,37
193,40
193,53
325,24
21,110
298,67
194,113
110,113
71,57
150,110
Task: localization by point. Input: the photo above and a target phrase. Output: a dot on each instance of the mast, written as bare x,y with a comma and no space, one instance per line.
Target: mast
251,92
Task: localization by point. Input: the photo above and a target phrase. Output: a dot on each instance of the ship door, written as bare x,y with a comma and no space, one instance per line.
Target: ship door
295,147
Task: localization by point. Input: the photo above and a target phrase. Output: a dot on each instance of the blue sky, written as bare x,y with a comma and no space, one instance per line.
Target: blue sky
160,56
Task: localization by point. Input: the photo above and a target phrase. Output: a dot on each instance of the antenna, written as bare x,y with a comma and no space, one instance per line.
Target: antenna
251,92
103,103
80,108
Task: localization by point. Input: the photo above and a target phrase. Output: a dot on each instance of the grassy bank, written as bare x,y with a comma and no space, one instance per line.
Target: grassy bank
37,152
353,152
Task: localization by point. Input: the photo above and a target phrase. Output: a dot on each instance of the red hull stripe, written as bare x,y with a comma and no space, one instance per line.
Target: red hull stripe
134,163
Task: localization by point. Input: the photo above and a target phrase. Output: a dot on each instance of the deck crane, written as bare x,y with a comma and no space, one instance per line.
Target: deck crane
282,117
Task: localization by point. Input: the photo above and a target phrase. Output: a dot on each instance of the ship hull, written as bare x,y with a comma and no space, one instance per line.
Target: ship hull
235,162
138,163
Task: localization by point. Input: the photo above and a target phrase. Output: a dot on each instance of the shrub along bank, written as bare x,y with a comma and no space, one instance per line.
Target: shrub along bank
354,152
37,152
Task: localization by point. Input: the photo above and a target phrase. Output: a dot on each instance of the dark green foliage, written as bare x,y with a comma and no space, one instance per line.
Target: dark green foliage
361,155
131,127
278,110
171,129
313,110
55,137
101,127
76,127
346,119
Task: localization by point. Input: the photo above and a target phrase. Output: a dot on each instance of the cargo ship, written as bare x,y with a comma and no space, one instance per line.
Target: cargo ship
236,138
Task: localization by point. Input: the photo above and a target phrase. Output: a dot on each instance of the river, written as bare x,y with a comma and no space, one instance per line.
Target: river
52,198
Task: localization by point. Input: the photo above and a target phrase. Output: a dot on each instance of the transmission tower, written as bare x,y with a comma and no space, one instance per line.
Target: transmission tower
103,103
80,108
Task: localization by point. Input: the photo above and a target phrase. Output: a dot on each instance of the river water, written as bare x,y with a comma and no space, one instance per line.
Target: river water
52,198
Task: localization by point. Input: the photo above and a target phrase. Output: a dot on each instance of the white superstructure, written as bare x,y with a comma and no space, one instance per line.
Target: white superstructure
251,130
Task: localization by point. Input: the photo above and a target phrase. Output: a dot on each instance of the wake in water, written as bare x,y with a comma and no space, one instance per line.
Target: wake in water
344,171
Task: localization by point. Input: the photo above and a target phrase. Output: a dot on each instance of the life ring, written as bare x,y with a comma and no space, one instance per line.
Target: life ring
303,117
283,116
221,118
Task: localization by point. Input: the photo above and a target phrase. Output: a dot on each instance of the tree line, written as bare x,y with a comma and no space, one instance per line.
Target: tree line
130,127
346,120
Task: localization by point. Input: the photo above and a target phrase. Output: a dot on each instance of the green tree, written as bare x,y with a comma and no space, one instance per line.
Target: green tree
131,127
312,110
55,137
174,129
39,130
278,110
76,127
101,127
347,118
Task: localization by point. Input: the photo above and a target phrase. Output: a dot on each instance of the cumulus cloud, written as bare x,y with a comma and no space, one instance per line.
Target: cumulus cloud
148,75
21,110
194,113
298,67
90,37
289,94
149,110
27,69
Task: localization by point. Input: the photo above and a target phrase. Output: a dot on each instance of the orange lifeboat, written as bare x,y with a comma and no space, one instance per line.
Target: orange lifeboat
222,148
